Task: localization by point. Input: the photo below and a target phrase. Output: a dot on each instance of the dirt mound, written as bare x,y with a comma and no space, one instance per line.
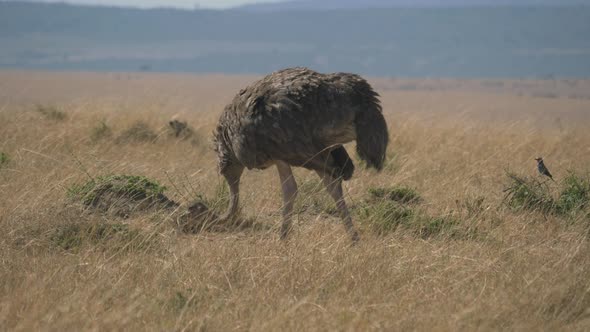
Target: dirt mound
122,195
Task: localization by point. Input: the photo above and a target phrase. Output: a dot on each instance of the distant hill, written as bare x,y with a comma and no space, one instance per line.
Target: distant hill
415,42
359,4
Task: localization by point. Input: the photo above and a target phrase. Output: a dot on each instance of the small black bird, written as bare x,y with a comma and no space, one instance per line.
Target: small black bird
542,168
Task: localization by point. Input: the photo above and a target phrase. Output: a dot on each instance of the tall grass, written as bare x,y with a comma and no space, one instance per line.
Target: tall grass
440,248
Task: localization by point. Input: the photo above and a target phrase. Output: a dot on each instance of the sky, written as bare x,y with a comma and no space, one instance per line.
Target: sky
190,4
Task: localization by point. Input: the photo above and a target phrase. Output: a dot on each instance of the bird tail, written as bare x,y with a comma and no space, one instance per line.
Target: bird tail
371,132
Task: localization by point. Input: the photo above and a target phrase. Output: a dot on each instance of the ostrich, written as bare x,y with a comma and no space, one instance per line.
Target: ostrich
298,117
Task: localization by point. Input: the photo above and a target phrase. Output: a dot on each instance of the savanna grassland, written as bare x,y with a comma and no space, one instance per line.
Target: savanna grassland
449,241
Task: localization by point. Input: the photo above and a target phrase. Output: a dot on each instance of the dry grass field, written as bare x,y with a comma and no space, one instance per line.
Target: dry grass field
458,258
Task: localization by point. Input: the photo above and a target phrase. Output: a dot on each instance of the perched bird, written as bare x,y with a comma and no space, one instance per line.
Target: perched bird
298,117
542,168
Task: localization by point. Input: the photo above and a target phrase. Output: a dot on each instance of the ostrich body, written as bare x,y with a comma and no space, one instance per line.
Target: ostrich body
298,117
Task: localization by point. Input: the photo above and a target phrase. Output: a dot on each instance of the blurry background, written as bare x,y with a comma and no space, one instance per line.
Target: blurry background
424,38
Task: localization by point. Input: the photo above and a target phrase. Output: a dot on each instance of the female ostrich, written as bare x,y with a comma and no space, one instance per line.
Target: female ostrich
298,117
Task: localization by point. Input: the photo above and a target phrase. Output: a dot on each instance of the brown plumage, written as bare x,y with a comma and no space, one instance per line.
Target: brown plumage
298,117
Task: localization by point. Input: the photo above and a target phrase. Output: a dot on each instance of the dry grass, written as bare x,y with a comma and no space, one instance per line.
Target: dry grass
64,267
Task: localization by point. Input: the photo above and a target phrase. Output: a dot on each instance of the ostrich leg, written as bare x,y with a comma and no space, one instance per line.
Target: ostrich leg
232,176
334,187
289,187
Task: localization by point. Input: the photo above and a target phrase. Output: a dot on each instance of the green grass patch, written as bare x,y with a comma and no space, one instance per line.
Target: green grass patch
386,216
132,186
398,194
525,193
4,159
121,194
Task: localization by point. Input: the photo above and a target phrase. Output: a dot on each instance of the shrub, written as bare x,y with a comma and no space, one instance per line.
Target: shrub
180,129
574,196
531,194
51,112
525,193
138,132
100,131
